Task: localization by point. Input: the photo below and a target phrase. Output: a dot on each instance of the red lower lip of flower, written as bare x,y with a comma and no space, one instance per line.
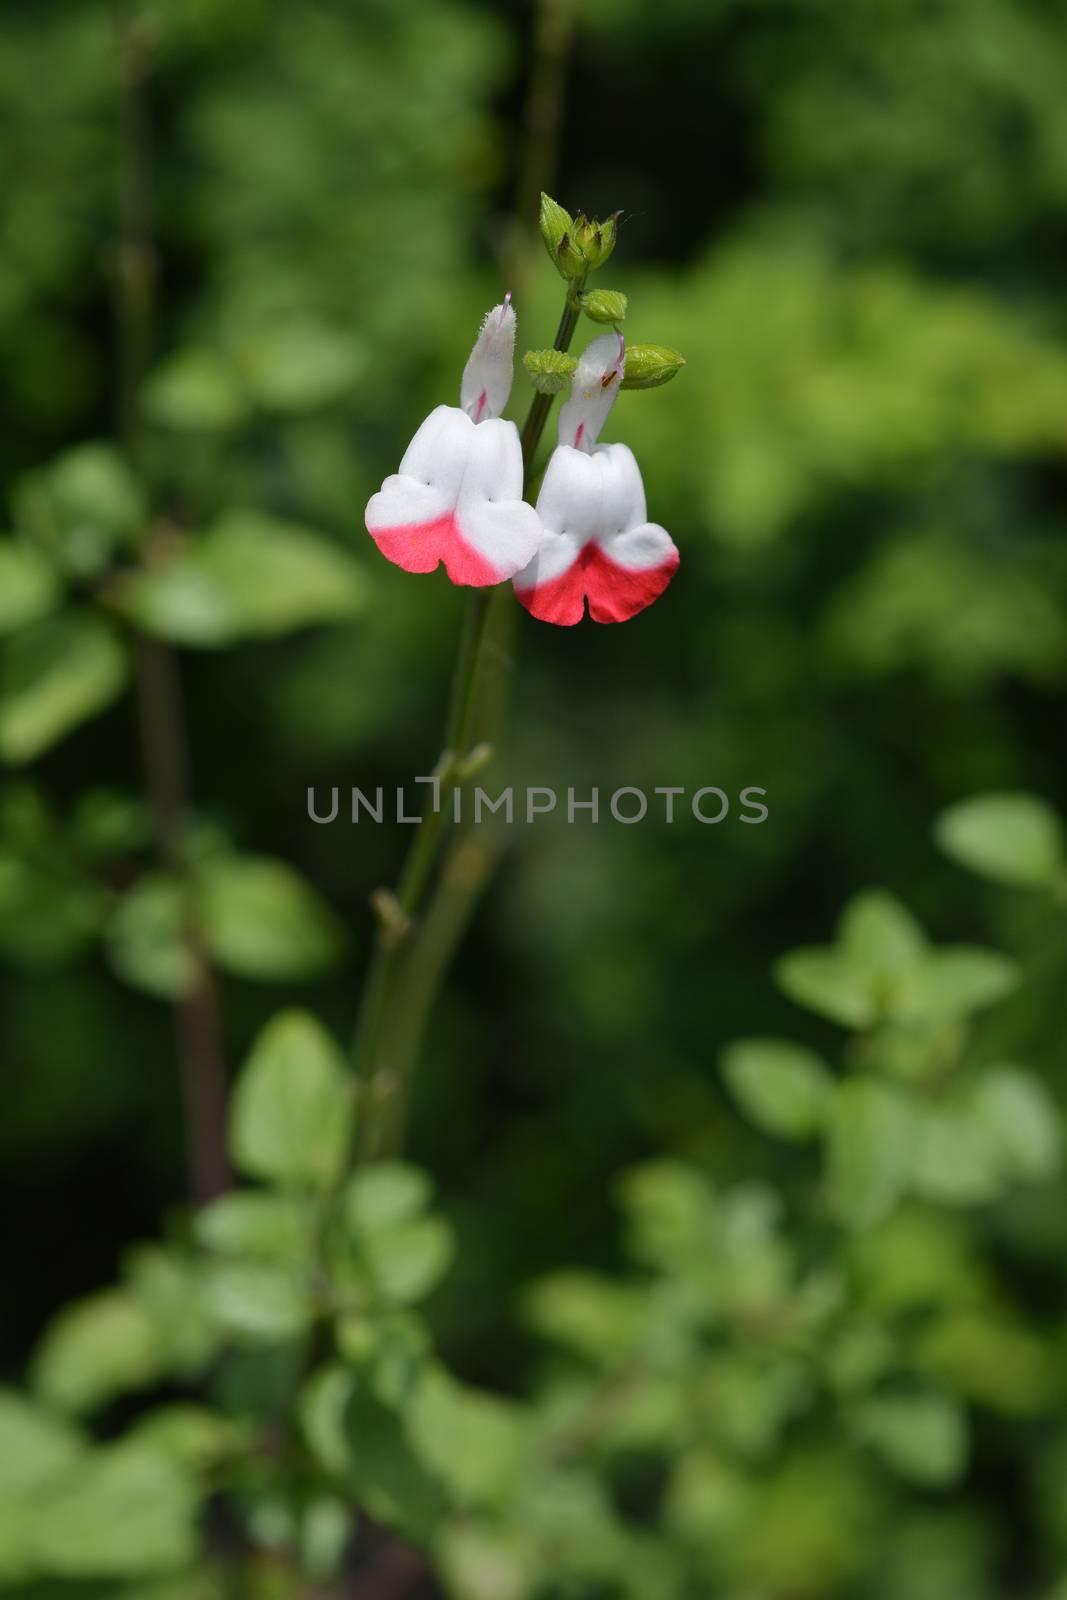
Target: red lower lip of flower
614,593
422,546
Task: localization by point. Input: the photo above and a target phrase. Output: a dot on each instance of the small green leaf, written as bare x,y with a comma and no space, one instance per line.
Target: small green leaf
596,1316
1024,1120
119,1511
188,1435
923,1438
408,1260
259,1299
473,1440
49,912
33,1445
195,390
784,1088
1012,838
869,1151
384,1194
291,1115
82,508
300,365
880,936
823,980
385,1470
956,1158
96,1349
146,939
260,919
249,1222
53,676
958,980
29,586
249,576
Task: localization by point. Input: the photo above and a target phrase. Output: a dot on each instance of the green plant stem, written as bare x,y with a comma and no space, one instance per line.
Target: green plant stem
385,1057
161,718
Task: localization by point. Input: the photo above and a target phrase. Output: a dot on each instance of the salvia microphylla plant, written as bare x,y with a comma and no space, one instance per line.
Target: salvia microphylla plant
457,500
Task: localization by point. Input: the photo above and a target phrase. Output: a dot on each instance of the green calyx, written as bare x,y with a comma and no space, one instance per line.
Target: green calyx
577,245
649,365
604,305
550,371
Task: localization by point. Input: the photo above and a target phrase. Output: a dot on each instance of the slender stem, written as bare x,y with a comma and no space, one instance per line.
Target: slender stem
385,1056
161,718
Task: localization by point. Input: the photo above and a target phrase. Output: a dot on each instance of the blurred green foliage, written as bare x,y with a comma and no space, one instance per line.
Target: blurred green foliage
723,1285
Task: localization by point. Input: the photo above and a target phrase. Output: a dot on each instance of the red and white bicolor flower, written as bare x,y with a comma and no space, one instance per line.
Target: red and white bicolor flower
457,498
597,547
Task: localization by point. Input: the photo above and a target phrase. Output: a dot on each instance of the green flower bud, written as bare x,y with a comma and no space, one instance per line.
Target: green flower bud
649,365
595,240
550,371
604,305
577,245
557,230
555,222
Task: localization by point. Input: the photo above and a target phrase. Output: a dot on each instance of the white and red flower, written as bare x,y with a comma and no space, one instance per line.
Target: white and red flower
597,547
457,498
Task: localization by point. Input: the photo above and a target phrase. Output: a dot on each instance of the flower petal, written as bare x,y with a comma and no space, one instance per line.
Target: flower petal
457,499
487,376
598,547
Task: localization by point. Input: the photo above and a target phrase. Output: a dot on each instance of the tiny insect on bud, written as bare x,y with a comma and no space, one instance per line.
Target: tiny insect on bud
649,365
604,305
550,371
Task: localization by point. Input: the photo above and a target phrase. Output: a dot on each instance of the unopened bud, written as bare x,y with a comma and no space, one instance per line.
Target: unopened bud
557,230
604,305
595,240
550,371
649,365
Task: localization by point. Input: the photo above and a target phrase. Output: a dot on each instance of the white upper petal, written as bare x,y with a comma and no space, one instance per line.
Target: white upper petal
593,389
487,376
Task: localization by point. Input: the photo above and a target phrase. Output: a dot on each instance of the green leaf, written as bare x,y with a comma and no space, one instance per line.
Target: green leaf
824,981
49,912
1024,1120
387,1193
270,1227
958,980
1012,838
53,676
260,919
188,1435
292,1111
880,936
300,365
33,1445
671,1211
408,1260
385,1470
120,1511
596,1316
195,390
82,508
957,1160
96,1349
147,944
473,1440
869,1151
923,1438
259,1299
29,586
249,576
784,1088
